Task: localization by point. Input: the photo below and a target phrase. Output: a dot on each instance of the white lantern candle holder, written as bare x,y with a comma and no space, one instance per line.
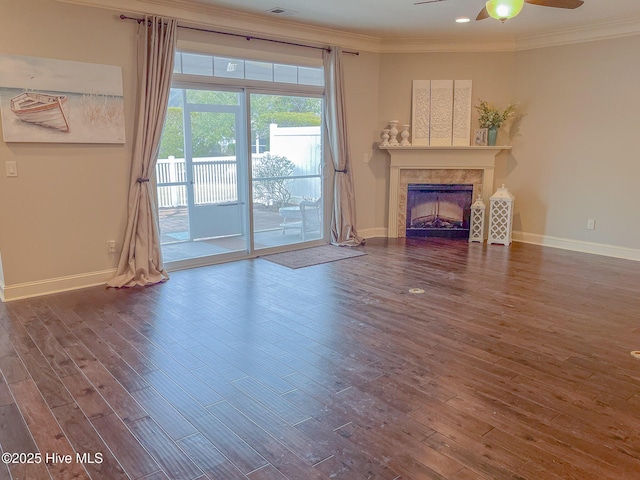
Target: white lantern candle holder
501,217
476,232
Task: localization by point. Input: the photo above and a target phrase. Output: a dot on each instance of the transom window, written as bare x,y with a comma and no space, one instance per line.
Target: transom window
243,69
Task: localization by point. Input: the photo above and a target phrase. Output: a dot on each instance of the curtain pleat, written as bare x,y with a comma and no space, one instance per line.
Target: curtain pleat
141,259
343,219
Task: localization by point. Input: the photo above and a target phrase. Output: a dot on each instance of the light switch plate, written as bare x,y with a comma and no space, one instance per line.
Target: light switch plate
11,169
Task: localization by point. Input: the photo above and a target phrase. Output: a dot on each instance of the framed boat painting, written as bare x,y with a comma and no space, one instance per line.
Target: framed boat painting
60,101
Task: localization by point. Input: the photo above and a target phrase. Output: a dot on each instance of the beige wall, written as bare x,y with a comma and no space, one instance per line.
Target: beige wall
575,151
361,82
67,200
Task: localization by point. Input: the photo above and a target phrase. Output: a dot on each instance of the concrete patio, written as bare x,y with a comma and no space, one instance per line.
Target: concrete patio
176,245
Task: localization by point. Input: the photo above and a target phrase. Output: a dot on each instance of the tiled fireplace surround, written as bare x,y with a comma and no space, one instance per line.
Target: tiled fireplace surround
436,165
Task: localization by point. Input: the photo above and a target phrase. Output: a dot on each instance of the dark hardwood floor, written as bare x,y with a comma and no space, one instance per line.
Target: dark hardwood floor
513,364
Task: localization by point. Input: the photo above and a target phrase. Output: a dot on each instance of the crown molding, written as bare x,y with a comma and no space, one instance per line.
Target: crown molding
202,15
196,14
440,45
590,33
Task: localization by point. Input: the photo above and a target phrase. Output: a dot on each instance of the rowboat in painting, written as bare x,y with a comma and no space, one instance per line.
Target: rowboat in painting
42,109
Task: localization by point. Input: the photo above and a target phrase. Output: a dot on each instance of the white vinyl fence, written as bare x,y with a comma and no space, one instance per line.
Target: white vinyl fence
214,181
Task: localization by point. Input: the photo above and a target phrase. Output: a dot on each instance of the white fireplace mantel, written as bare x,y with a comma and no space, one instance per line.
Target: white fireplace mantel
438,158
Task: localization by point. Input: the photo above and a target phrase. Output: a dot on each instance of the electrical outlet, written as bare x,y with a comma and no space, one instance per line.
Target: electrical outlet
591,224
111,246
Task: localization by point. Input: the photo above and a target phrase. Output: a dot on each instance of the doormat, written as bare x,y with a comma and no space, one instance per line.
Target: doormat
313,256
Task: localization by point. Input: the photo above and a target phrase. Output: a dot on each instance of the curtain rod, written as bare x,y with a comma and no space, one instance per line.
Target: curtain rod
247,37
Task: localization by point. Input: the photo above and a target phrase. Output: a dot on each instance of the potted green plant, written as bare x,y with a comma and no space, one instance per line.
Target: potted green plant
492,119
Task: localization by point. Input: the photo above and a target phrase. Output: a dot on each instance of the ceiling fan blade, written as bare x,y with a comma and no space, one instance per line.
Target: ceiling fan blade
571,4
483,14
428,1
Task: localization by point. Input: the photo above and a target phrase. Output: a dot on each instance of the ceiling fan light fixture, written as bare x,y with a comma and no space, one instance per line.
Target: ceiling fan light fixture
504,9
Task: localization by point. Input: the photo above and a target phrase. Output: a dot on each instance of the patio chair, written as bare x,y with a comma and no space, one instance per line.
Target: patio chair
291,218
311,216
307,217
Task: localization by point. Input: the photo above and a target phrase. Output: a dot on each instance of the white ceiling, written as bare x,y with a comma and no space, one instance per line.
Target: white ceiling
401,19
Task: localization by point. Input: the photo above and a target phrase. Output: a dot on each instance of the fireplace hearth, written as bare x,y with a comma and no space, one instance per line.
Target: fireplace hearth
438,210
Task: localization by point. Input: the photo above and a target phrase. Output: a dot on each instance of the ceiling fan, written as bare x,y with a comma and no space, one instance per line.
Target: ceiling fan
505,9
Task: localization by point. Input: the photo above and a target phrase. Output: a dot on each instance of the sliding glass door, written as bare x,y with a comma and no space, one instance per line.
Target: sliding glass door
201,175
220,145
214,173
286,170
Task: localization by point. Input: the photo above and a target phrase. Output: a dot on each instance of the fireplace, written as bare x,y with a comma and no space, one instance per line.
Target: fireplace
436,165
438,210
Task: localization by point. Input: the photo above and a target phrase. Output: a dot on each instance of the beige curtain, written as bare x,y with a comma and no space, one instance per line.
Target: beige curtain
141,259
343,219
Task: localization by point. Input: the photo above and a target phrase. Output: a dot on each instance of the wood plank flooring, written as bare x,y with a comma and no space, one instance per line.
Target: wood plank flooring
513,364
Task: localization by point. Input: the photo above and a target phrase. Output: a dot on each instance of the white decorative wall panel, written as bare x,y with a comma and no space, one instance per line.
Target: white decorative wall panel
421,112
441,133
462,113
441,113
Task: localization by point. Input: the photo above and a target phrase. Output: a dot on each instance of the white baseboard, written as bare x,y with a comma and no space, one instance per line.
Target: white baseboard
54,285
373,232
547,241
578,246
